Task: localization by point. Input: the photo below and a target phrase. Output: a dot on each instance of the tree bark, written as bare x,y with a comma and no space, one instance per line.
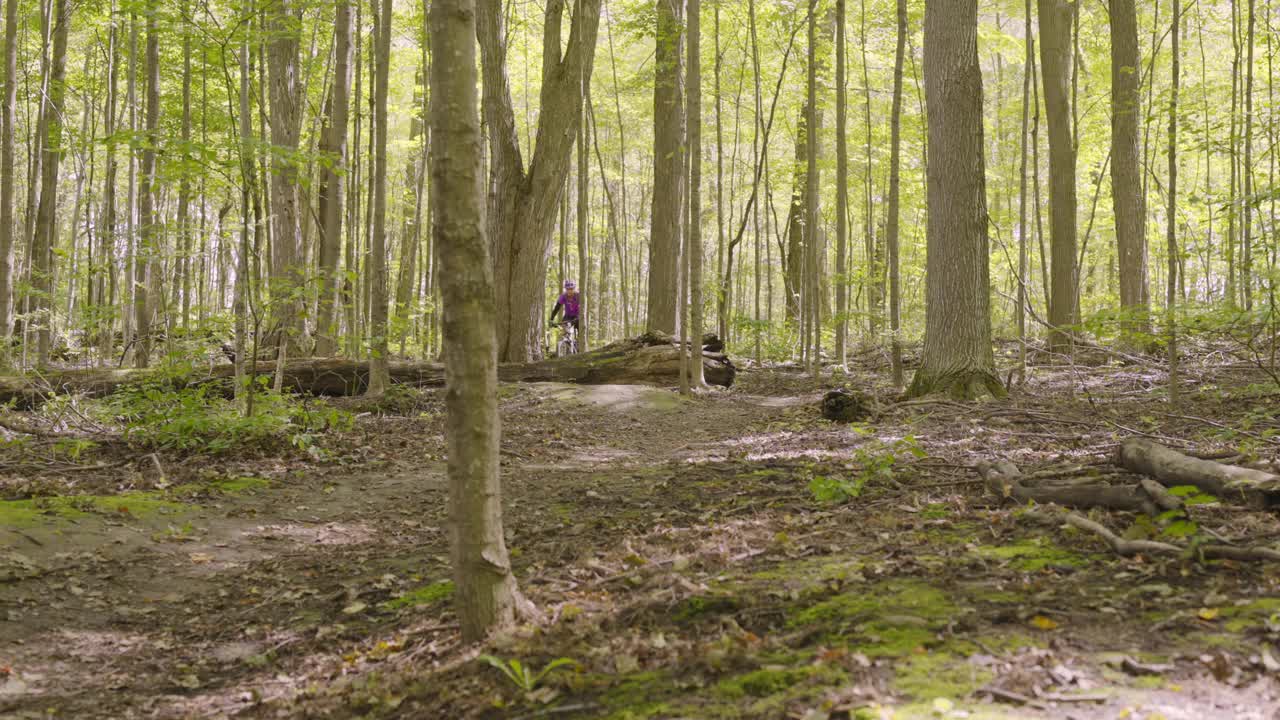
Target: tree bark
1055,61
693,243
379,379
7,179
284,19
842,180
1126,167
333,184
521,208
957,357
486,588
148,247
668,167
51,120
891,222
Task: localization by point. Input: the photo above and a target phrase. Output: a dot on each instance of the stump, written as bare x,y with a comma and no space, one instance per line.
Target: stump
847,406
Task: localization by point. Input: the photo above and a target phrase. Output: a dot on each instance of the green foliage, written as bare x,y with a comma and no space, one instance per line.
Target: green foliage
523,676
198,418
877,461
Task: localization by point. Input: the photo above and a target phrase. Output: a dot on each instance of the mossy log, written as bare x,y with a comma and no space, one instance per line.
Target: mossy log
651,359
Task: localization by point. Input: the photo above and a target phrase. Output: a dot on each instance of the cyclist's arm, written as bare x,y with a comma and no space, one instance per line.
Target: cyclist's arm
556,310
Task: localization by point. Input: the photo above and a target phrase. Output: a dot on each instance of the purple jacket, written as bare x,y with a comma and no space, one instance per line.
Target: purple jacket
569,304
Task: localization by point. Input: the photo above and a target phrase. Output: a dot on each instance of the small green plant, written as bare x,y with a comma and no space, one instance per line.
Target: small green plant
877,461
522,675
167,415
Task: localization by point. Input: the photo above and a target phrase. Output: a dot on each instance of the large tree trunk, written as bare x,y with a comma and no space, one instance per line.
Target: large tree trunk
651,359
522,203
332,184
1055,59
1126,168
668,167
487,594
284,19
957,356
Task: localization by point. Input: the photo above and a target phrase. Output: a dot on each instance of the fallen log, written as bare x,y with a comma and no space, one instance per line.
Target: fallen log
1004,479
1172,468
651,359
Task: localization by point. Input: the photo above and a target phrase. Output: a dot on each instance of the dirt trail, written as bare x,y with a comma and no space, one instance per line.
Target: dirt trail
681,558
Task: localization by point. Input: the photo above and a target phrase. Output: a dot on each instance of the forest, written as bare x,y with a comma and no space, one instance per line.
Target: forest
639,359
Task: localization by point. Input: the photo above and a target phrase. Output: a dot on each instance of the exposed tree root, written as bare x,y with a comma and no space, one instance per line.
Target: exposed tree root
1004,479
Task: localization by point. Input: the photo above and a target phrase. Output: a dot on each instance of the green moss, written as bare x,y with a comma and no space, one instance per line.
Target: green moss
1031,556
637,696
890,619
935,675
697,606
764,682
237,485
425,595
26,513
1239,618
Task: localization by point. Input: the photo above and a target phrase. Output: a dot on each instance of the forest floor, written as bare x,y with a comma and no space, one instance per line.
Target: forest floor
677,549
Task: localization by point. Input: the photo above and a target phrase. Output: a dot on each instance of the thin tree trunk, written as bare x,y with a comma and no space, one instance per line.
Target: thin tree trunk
842,175
52,149
694,241
486,595
379,374
7,179
1171,289
332,184
891,222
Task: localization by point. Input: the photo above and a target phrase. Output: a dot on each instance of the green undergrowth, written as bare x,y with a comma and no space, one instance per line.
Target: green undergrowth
35,511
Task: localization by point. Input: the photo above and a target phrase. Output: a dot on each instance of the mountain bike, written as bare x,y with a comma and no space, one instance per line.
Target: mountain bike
568,344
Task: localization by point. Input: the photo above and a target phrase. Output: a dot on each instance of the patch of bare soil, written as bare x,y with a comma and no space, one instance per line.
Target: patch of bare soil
726,556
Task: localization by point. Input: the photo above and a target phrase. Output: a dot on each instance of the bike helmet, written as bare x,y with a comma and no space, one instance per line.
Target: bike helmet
569,285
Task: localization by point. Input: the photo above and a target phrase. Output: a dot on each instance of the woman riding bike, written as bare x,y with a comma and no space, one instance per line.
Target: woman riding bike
570,302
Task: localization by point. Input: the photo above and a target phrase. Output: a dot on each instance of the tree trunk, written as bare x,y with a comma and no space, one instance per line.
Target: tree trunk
1055,60
1171,232
332,184
842,181
7,179
1126,168
668,167
486,589
521,208
891,222
284,18
693,243
148,248
378,276
52,149
957,357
